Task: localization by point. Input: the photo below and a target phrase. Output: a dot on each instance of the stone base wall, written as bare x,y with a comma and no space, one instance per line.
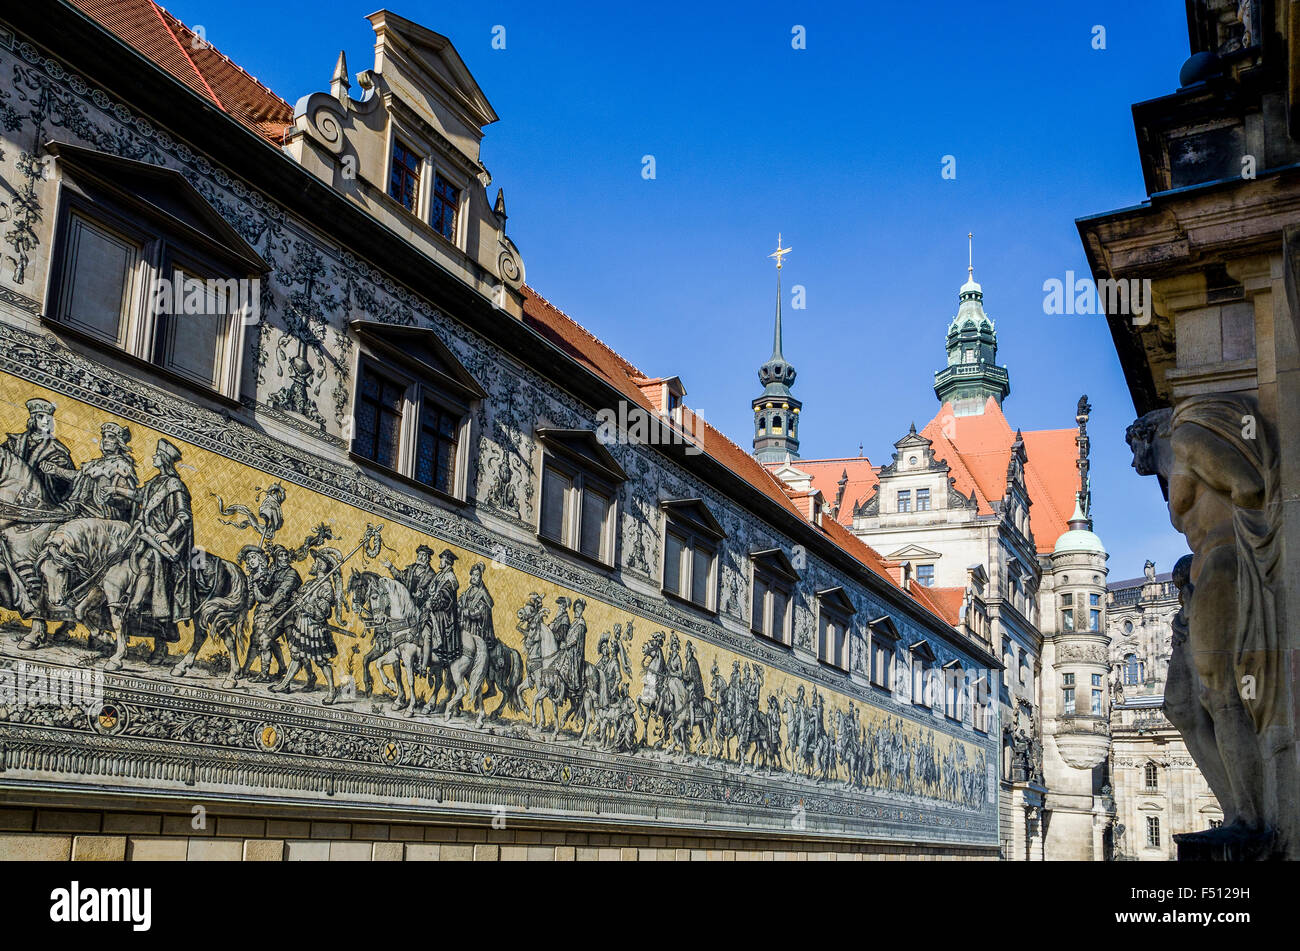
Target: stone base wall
34,833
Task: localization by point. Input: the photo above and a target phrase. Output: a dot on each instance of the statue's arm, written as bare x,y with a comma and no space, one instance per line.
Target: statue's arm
1218,464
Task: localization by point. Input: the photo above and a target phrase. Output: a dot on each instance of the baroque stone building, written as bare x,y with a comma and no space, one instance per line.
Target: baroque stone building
1209,352
1158,791
316,516
992,526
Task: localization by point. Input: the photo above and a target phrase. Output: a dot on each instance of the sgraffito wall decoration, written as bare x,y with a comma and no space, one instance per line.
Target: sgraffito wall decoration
269,621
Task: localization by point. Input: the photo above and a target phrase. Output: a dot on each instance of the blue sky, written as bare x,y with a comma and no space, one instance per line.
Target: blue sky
837,146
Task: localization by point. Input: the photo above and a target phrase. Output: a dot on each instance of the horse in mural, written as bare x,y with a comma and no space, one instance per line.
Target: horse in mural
504,675
222,591
385,607
725,730
546,673
465,675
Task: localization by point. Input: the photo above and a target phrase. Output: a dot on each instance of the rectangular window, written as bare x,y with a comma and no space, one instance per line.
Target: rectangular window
905,500
1067,620
1096,703
1094,620
435,449
446,204
925,573
690,564
120,281
380,402
1153,831
577,509
832,630
923,500
402,425
1069,700
882,667
404,178
100,271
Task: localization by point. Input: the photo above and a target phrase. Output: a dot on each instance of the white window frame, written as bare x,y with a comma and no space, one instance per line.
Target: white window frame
693,537
580,481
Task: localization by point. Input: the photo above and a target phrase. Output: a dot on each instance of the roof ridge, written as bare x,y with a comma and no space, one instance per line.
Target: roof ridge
208,46
157,9
632,369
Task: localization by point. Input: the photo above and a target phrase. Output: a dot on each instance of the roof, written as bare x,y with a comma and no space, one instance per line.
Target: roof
173,46
1139,582
826,475
945,602
978,449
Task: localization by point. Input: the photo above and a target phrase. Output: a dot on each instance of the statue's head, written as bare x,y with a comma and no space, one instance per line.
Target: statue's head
1143,437
1182,574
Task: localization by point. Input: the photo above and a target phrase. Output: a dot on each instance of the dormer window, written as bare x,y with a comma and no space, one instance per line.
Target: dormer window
579,479
143,264
444,208
404,176
834,609
691,540
771,614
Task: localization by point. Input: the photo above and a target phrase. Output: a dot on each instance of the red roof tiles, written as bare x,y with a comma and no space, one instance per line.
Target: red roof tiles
826,475
978,448
172,45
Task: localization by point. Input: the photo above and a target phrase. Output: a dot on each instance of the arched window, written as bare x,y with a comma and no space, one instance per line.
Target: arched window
762,424
1152,776
1133,669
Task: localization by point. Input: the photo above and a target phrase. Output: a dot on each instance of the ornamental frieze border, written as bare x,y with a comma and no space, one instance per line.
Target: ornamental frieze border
192,741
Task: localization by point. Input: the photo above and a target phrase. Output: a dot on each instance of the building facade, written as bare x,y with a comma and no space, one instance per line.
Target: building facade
992,526
319,541
1198,284
1158,790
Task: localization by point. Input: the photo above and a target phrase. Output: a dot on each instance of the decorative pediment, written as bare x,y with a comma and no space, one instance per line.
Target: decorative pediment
837,599
885,627
695,512
160,193
423,350
419,62
776,561
922,650
914,553
582,446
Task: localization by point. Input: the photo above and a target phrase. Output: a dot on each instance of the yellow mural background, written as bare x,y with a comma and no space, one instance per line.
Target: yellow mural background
208,474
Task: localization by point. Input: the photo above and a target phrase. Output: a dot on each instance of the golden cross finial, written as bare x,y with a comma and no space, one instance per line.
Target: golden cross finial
970,255
780,251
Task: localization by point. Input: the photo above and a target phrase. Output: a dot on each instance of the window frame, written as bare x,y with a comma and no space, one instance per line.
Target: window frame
119,197
581,482
922,496
834,608
692,523
416,390
903,501
883,647
921,666
421,164
771,571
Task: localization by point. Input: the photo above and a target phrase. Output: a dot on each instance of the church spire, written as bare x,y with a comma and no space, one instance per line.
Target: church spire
972,374
776,411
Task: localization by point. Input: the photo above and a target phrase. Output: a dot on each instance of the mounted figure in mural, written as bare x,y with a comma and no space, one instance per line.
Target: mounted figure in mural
417,579
466,670
441,645
385,607
569,677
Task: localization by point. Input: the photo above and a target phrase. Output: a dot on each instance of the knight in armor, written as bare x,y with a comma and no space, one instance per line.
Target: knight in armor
47,457
162,587
443,607
106,487
311,638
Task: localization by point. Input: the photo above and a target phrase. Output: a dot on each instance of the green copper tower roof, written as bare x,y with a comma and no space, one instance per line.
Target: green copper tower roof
776,411
972,374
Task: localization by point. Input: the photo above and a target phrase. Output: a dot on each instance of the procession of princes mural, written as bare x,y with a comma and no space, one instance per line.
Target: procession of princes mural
100,564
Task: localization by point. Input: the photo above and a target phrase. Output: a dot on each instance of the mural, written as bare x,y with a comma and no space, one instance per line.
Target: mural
270,618
147,567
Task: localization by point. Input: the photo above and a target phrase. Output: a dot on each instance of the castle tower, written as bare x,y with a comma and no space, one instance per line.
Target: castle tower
972,374
776,411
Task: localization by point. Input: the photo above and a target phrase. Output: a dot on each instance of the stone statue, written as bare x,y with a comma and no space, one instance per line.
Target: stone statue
1218,461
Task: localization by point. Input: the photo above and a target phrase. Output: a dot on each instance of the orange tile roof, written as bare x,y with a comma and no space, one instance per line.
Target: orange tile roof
945,602
172,45
978,448
826,475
